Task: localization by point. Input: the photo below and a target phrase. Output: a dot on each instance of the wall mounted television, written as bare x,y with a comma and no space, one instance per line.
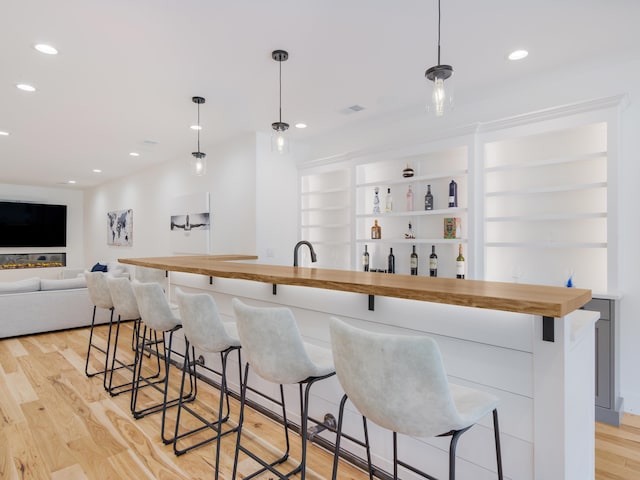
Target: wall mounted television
25,224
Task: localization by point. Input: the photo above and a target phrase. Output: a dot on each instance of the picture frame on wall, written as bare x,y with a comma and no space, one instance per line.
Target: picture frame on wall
120,228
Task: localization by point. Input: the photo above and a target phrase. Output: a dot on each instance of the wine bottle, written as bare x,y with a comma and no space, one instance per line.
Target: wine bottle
453,194
376,201
433,262
376,231
365,259
428,199
392,262
410,233
409,199
388,201
460,263
414,262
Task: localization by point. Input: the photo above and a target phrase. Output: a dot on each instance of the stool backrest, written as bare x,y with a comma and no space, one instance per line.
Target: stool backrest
124,300
98,289
397,381
154,308
272,344
202,322
150,275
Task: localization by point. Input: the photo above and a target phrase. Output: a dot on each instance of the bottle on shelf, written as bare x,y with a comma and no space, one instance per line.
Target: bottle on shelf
376,231
388,201
460,263
410,233
453,194
409,199
433,262
414,261
391,268
428,199
376,201
365,259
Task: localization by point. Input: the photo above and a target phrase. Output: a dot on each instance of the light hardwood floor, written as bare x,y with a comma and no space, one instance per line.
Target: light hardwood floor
55,423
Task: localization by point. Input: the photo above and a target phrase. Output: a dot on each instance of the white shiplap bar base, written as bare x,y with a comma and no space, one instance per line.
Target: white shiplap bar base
546,388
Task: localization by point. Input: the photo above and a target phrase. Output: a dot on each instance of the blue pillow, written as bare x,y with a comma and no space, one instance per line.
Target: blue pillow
99,268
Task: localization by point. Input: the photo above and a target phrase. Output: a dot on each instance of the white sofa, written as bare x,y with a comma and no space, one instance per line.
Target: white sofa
39,305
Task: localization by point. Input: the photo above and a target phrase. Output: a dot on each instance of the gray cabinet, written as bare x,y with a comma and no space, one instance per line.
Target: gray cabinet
608,403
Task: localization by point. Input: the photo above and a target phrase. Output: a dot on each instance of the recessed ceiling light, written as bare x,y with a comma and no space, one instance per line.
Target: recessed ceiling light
518,54
25,87
4,134
134,154
47,49
71,182
97,170
196,127
301,125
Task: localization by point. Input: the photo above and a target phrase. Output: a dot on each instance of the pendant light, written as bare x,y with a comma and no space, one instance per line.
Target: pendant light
199,161
441,97
279,141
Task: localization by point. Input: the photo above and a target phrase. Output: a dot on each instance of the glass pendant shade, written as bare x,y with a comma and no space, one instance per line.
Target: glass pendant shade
279,139
199,164
441,99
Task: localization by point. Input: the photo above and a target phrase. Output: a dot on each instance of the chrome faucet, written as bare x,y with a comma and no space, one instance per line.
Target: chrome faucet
295,252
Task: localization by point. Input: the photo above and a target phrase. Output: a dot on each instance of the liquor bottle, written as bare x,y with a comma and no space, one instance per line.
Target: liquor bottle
428,199
392,262
376,231
453,194
414,262
376,201
388,201
409,199
433,262
410,233
460,263
365,259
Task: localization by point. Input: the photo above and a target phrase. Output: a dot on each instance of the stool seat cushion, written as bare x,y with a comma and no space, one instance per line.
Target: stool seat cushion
203,324
124,300
273,346
399,382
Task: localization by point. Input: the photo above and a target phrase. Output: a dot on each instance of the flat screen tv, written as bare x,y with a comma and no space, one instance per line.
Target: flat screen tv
32,225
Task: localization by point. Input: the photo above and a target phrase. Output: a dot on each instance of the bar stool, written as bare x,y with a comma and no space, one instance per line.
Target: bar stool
399,382
275,350
158,320
205,330
101,298
126,307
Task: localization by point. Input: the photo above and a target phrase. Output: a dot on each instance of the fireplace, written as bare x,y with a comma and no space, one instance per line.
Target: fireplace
13,261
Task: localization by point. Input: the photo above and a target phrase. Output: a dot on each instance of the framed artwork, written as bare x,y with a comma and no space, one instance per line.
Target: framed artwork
120,228
190,225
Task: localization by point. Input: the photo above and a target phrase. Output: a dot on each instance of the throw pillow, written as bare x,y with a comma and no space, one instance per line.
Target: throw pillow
98,267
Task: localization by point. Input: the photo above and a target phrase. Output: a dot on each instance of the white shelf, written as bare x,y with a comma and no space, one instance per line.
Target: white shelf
556,189
413,213
325,225
325,209
546,245
547,162
551,217
415,241
333,244
325,191
414,179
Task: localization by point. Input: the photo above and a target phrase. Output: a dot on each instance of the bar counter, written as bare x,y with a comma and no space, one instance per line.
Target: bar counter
489,337
512,297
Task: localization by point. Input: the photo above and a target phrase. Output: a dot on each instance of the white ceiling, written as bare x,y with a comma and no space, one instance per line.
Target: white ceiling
127,69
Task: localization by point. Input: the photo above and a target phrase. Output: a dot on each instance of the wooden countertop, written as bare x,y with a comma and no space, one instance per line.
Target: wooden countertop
513,297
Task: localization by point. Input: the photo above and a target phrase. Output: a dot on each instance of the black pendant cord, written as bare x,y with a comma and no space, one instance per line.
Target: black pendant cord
438,32
280,103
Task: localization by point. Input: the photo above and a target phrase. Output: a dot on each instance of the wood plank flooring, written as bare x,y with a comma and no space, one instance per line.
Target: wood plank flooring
55,423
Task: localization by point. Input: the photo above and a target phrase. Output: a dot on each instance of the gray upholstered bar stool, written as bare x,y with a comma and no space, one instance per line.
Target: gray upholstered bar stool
204,330
399,382
126,308
274,349
159,320
101,298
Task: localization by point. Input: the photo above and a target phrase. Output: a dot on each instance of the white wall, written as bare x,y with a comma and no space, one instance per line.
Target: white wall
561,87
75,245
230,180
